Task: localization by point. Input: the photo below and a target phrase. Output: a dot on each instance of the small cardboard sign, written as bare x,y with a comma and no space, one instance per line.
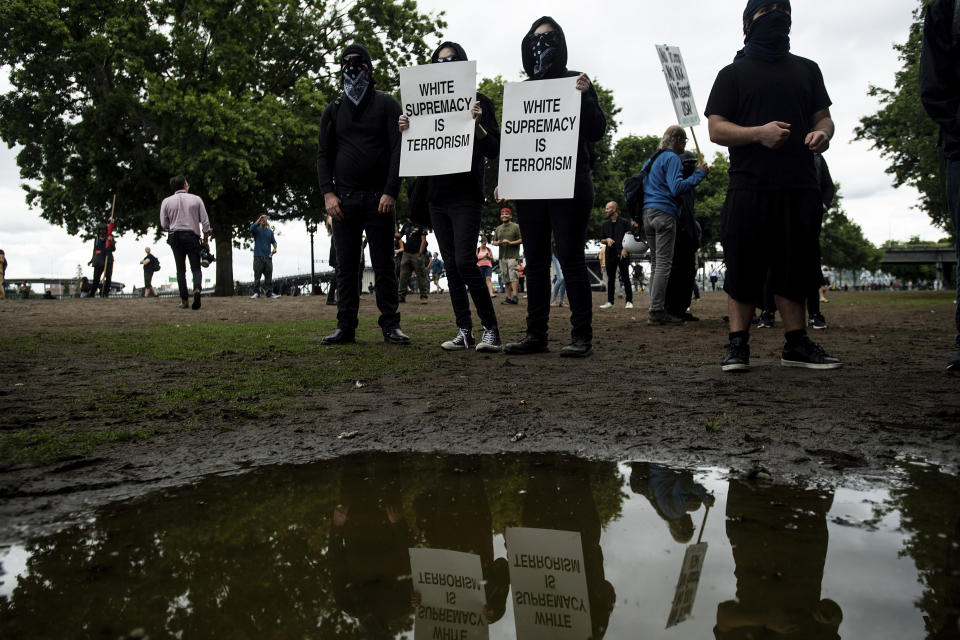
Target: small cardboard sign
678,83
450,585
687,584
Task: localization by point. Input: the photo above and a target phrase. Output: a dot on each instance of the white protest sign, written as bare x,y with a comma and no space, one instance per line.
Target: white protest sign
539,139
549,583
450,585
678,83
437,98
687,584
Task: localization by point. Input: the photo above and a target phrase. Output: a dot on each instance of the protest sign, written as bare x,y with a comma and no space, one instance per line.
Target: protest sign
678,83
437,98
549,582
451,595
687,584
539,139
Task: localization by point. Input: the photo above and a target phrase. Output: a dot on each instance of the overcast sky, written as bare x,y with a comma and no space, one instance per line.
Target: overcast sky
614,43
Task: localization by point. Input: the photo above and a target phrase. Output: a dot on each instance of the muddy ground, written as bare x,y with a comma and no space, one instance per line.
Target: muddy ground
647,393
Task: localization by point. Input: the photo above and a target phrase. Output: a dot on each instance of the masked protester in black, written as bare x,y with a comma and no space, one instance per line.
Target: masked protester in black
544,52
684,267
358,165
102,261
453,205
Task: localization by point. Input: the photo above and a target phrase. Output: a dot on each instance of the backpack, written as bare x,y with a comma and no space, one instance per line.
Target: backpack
633,189
155,264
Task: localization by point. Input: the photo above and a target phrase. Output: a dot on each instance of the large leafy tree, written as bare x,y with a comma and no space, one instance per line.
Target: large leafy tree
842,243
114,97
903,132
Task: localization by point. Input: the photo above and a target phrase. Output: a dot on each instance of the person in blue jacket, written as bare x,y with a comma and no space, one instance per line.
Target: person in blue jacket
662,189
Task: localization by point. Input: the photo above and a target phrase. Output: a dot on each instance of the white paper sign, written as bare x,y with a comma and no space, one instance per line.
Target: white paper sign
437,98
549,584
687,584
678,84
539,139
450,584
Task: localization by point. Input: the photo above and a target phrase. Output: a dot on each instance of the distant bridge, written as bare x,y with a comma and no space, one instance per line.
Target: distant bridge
920,254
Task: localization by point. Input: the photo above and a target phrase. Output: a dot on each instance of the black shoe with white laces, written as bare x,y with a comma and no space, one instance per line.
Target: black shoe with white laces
738,355
463,340
807,354
490,341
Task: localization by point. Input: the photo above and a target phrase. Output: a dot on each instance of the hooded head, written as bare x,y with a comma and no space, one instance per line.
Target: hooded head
689,160
545,54
102,229
459,53
766,36
356,72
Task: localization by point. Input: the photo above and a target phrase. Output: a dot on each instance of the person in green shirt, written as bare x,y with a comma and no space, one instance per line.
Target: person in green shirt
507,238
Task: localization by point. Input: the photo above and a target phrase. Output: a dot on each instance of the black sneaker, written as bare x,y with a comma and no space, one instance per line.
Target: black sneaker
817,321
738,356
490,341
953,364
765,321
660,318
807,354
196,300
511,301
463,340
527,345
578,348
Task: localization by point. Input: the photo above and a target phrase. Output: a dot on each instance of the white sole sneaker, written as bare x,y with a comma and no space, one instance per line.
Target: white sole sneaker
810,365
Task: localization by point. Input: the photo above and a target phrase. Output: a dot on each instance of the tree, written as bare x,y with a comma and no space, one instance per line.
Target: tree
114,97
903,132
842,243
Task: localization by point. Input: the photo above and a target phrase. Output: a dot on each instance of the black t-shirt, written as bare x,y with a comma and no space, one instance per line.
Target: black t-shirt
151,265
413,233
615,230
752,92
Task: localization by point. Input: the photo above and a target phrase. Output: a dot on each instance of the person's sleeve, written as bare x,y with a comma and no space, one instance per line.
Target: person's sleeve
724,96
679,186
820,100
253,228
204,218
392,111
939,83
605,230
593,124
164,217
324,161
490,145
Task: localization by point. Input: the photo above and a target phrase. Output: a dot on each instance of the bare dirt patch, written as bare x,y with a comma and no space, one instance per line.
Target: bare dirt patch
648,393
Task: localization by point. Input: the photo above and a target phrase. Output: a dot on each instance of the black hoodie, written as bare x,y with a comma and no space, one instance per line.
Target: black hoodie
359,145
940,73
459,186
593,124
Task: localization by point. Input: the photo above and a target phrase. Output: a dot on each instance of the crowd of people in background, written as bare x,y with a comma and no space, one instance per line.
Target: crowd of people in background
769,107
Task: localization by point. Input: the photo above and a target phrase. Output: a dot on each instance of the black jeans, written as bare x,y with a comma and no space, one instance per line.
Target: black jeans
457,226
360,215
615,264
98,272
186,244
567,220
682,273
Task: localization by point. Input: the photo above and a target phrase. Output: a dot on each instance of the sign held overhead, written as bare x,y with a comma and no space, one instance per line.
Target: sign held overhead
678,83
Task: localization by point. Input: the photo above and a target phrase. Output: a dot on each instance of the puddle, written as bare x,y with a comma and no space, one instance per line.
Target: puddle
427,546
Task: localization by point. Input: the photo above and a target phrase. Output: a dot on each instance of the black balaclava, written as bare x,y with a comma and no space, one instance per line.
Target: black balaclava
689,161
461,54
544,56
357,76
768,37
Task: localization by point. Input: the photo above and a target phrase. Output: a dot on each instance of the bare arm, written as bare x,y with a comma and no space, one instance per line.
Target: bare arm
818,140
772,135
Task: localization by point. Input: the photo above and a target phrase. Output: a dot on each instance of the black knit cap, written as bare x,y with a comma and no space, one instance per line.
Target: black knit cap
755,5
362,50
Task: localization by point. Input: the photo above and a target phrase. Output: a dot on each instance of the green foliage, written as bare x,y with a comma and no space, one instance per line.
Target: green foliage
902,131
115,97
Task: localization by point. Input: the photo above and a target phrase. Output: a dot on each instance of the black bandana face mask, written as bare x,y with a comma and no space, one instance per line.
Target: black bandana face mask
545,49
356,81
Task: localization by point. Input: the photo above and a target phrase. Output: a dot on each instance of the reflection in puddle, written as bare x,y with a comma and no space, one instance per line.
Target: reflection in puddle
427,546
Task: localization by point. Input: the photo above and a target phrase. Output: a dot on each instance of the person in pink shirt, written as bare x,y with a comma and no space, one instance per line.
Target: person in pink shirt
185,218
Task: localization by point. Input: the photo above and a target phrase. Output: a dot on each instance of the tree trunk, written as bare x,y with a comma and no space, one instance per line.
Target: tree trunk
224,241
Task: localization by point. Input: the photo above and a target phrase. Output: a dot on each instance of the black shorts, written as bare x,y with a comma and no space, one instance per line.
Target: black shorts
771,230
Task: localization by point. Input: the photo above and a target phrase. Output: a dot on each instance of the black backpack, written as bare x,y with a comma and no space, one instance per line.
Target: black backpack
633,190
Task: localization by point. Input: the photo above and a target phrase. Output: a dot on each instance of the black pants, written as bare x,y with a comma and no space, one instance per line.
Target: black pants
457,226
332,289
682,272
186,244
567,220
360,215
99,269
616,264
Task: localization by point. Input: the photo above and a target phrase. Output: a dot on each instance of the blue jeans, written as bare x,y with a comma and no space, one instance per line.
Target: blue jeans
560,286
953,200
